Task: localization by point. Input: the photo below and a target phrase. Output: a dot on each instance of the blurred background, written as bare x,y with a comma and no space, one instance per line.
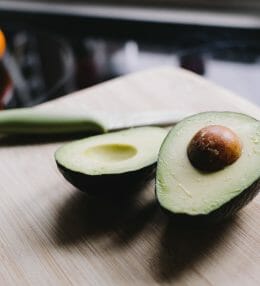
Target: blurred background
53,48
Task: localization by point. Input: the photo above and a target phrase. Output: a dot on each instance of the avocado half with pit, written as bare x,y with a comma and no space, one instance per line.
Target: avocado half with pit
209,166
112,162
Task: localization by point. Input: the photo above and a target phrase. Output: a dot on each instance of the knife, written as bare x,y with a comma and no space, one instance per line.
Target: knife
43,121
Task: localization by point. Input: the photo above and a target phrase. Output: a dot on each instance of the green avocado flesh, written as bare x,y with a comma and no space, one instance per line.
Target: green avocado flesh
112,153
182,189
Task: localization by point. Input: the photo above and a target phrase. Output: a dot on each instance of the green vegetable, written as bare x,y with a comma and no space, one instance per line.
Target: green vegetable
184,190
112,162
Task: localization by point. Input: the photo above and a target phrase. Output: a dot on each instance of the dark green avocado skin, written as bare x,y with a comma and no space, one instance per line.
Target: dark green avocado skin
107,185
222,213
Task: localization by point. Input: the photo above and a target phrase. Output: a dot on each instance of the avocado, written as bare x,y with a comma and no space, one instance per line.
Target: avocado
112,162
209,166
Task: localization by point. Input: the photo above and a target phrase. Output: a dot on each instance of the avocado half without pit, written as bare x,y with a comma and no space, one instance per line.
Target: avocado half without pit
113,162
209,166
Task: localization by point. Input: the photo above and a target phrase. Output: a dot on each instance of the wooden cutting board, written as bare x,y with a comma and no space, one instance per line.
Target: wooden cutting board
52,234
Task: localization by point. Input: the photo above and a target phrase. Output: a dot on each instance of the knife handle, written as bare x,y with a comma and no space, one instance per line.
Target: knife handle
33,121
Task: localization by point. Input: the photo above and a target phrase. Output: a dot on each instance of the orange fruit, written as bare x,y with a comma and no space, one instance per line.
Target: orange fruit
2,43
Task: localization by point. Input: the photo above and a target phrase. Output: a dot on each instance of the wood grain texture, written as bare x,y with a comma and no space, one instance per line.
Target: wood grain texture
52,234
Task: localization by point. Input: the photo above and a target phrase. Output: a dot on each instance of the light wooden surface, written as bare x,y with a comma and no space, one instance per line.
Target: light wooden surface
51,234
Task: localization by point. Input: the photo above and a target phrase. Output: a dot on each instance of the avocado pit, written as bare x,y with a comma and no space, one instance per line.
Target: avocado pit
213,148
